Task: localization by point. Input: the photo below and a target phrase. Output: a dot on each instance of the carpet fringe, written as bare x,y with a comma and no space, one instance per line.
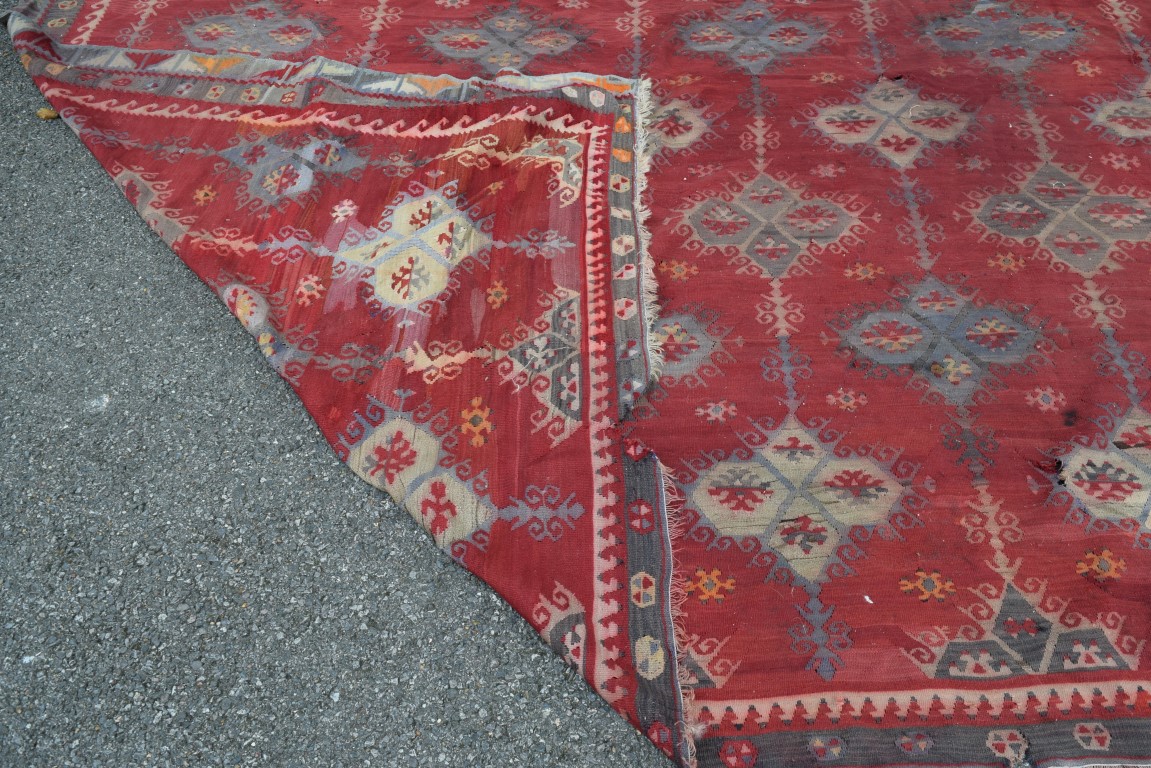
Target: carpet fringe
648,288
688,726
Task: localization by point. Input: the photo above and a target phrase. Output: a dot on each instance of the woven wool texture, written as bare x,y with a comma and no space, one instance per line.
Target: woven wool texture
783,363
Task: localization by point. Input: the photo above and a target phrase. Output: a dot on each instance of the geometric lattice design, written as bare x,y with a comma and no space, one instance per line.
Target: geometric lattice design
789,370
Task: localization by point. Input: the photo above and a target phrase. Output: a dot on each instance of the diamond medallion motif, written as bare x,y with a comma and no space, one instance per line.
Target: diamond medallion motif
260,28
944,337
894,122
1002,37
1081,227
796,497
408,257
509,39
769,228
751,36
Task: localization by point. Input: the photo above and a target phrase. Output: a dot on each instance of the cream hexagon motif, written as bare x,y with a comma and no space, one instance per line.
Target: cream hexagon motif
394,456
448,509
1127,118
737,498
677,124
1109,484
650,657
1133,437
1114,483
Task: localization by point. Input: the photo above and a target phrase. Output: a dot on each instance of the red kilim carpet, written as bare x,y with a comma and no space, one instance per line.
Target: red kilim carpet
783,363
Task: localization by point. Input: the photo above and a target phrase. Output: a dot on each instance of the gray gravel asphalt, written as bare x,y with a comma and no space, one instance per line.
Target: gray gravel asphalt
189,576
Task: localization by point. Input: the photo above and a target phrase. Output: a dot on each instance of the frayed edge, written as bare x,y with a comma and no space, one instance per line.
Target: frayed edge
648,289
688,726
